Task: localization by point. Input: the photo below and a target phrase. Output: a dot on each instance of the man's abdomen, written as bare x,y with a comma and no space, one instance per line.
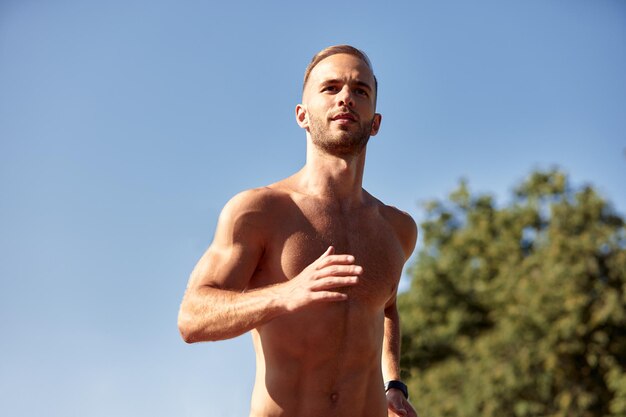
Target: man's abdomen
324,361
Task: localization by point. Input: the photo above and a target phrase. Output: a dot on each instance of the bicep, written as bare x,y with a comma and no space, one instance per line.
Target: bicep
237,247
226,267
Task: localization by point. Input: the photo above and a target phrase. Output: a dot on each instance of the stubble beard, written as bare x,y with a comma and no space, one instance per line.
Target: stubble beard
343,143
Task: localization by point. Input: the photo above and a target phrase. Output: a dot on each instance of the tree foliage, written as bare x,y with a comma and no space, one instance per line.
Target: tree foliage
518,310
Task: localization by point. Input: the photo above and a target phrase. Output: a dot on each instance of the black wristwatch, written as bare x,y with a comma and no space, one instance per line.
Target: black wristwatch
397,385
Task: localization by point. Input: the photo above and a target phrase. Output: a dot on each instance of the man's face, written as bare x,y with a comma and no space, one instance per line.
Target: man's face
339,105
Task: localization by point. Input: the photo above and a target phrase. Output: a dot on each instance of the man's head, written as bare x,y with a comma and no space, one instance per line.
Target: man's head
338,107
338,49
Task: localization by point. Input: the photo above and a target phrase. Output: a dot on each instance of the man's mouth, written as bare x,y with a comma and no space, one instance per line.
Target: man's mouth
344,116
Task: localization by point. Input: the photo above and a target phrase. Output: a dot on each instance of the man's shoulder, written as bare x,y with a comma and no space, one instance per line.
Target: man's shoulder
259,199
402,223
262,203
399,219
391,213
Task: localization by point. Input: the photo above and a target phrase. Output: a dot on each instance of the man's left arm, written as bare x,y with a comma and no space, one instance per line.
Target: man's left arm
397,404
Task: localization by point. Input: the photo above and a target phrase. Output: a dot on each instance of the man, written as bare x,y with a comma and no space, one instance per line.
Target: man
311,265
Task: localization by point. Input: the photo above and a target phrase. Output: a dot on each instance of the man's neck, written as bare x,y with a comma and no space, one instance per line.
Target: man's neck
338,179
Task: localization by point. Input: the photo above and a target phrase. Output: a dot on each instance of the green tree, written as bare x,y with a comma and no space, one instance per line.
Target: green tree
518,310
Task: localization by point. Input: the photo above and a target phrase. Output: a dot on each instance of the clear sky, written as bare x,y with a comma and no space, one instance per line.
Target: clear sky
126,125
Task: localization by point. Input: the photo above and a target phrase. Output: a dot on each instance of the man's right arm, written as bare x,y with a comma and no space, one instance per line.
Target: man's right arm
216,304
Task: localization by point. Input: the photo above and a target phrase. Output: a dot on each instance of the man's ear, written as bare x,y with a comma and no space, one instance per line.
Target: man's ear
378,118
302,116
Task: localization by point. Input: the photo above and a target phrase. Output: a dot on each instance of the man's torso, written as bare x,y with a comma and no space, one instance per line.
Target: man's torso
325,360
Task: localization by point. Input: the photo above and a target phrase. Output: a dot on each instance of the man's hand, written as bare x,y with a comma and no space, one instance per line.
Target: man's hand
318,281
398,406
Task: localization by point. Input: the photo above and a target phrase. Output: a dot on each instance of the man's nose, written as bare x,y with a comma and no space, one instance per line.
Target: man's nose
345,97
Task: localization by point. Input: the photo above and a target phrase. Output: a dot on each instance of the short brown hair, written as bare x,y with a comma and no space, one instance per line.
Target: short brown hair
339,49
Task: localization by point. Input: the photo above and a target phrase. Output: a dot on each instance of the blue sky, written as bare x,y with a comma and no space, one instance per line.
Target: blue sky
126,125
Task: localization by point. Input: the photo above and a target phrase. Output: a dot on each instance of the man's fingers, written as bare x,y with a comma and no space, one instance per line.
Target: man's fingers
398,408
397,404
334,260
339,270
334,282
327,252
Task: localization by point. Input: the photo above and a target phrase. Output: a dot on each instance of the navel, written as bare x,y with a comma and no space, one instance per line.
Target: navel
334,397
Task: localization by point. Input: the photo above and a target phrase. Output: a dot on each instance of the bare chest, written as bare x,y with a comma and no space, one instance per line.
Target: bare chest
305,235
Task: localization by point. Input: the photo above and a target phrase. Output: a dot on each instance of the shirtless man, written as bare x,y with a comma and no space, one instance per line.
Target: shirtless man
311,265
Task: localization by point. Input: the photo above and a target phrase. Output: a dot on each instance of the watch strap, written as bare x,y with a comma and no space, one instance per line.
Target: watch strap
397,385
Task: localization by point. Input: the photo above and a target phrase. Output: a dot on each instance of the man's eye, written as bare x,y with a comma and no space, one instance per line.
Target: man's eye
330,88
361,91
